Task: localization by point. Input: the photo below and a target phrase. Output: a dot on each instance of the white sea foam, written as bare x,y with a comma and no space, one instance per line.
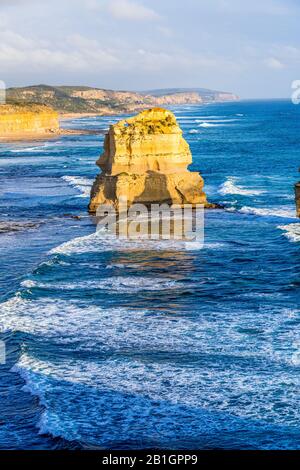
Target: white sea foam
230,187
214,245
208,124
120,401
36,148
131,382
28,283
112,402
101,241
95,328
26,149
209,117
112,284
269,212
81,183
193,131
215,120
292,231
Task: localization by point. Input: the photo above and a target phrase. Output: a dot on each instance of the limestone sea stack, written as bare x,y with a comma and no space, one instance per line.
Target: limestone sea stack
146,160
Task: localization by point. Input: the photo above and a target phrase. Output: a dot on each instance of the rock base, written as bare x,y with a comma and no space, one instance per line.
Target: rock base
148,188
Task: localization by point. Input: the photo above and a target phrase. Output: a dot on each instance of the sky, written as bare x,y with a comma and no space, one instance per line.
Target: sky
251,48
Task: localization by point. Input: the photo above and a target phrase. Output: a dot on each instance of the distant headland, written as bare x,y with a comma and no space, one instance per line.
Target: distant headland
72,101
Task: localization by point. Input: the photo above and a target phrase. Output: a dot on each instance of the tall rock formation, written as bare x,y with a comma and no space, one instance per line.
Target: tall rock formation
145,159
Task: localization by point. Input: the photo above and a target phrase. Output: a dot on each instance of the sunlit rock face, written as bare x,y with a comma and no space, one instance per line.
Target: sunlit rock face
27,119
146,161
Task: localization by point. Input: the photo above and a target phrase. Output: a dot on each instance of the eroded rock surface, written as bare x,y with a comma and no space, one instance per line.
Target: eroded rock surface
146,160
27,119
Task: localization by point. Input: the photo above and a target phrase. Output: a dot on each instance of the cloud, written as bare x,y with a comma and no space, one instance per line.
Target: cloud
143,43
128,10
80,57
78,53
274,63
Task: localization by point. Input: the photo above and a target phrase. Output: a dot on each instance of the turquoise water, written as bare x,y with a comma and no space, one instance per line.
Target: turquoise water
118,345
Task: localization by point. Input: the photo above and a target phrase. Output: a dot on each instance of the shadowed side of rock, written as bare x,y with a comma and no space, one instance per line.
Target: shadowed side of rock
146,160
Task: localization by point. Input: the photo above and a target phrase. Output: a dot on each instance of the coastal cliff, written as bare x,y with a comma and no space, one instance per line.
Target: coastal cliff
145,160
82,100
27,119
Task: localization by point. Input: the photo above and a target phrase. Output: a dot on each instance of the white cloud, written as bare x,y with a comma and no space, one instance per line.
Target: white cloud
78,53
143,43
81,56
128,10
274,63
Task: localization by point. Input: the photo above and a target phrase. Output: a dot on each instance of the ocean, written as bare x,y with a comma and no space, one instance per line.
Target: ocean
113,345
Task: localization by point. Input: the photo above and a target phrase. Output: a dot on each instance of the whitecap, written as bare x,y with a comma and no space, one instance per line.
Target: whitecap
112,284
193,131
215,120
101,241
127,392
230,187
208,124
36,148
81,183
209,117
28,283
292,231
269,212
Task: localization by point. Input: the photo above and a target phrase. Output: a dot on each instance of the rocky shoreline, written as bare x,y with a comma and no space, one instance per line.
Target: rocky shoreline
31,136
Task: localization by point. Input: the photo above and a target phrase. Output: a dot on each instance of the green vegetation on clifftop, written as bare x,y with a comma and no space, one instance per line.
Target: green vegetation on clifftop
81,99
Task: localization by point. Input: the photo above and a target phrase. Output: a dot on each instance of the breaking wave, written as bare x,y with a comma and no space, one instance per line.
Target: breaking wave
274,212
292,231
81,183
208,124
102,241
112,284
230,187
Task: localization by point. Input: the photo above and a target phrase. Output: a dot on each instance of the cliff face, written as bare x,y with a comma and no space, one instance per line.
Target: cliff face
33,119
178,98
145,159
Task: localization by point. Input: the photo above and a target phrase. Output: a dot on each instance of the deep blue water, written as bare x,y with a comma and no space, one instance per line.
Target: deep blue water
120,346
